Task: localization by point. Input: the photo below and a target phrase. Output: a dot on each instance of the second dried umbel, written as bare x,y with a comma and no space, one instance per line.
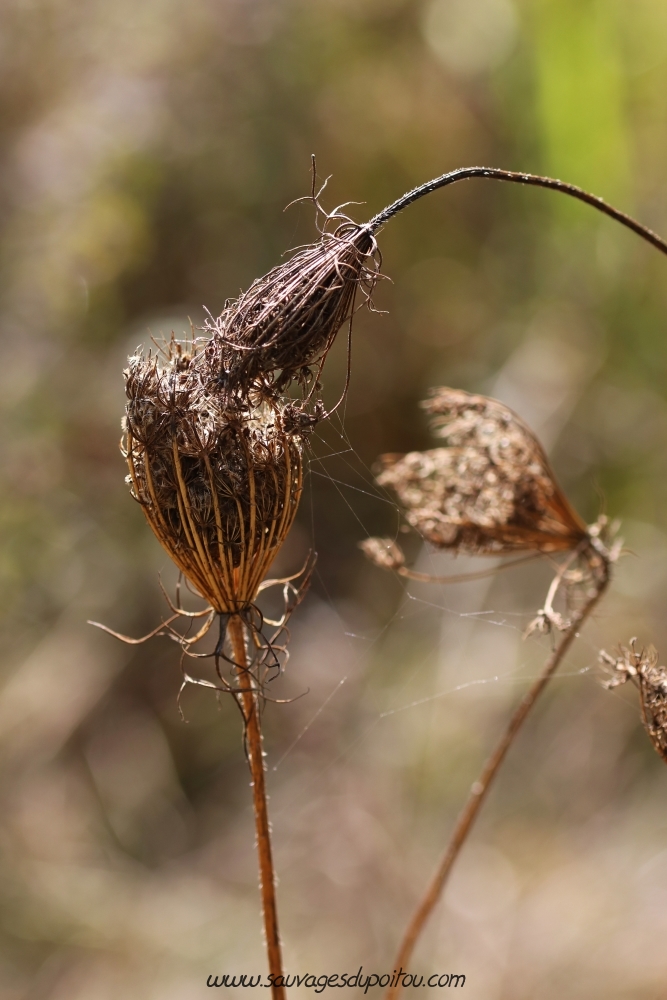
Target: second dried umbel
490,490
219,484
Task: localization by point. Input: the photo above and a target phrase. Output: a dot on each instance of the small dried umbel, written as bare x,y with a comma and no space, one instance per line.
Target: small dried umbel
219,485
641,667
286,322
490,490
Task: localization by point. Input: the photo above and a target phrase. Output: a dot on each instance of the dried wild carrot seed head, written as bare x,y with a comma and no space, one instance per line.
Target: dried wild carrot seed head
219,484
489,490
286,322
641,667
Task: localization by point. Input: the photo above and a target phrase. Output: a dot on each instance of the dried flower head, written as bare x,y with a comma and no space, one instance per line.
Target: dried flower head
641,667
286,322
490,490
219,484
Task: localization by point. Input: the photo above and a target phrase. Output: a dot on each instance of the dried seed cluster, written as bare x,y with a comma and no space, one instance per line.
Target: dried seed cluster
218,477
286,322
213,444
641,667
489,490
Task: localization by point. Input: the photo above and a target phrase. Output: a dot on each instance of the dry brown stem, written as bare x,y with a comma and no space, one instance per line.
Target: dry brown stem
515,177
387,554
599,561
250,702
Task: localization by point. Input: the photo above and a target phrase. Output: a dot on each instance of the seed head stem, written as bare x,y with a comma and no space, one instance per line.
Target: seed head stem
493,173
250,703
480,788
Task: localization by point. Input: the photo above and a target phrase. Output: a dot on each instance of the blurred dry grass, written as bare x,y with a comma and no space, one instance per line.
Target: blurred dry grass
147,152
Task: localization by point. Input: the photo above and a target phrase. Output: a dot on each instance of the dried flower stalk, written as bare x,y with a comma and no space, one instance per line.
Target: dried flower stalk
640,666
516,177
217,470
490,490
250,702
387,554
598,581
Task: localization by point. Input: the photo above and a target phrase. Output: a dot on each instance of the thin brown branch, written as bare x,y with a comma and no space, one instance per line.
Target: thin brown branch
480,788
514,177
250,703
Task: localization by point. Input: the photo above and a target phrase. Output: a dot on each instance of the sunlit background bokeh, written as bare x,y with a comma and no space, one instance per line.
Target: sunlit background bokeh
147,152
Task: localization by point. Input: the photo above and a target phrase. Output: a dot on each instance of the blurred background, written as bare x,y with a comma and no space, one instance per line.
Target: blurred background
147,153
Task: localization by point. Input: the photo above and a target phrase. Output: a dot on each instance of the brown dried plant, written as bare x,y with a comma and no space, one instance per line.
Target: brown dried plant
213,442
218,476
281,329
286,322
640,666
491,491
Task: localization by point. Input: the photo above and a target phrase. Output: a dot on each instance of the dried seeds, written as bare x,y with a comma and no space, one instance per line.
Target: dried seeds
489,490
219,483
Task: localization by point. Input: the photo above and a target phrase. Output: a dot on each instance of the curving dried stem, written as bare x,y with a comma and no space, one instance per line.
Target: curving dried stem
516,177
387,554
597,562
250,699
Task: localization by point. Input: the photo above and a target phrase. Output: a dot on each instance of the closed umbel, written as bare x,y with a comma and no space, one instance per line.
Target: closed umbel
219,484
